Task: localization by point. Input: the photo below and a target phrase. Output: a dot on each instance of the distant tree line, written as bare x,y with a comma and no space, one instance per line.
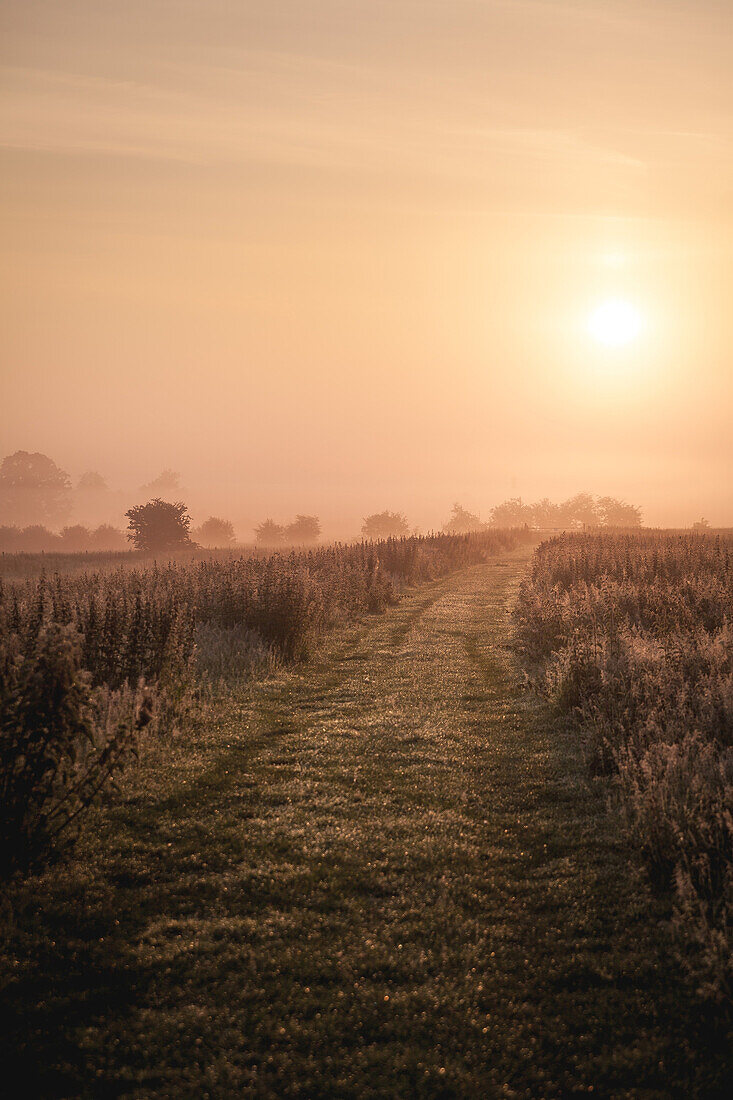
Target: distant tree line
580,511
74,539
36,497
385,525
302,531
33,491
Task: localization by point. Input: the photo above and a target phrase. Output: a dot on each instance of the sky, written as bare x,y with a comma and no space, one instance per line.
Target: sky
346,255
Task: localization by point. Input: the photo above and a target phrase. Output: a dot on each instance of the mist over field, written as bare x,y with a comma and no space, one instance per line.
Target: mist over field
366,549
340,257
43,510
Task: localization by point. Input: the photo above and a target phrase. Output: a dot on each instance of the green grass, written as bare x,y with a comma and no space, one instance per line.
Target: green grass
381,874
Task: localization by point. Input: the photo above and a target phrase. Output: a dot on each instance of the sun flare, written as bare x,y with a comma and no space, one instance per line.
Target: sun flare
615,323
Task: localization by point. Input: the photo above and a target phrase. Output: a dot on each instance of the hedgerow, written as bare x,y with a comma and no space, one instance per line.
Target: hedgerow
630,638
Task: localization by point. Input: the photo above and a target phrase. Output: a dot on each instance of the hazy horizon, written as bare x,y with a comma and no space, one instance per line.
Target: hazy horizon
341,257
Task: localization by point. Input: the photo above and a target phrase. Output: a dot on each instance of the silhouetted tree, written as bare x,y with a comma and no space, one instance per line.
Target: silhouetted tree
511,513
303,529
616,513
75,539
33,489
215,532
270,533
159,525
92,482
545,514
581,511
462,521
385,525
8,539
168,482
36,539
107,537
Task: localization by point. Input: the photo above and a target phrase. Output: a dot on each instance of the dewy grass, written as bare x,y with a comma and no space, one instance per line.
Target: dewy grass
630,638
168,634
379,874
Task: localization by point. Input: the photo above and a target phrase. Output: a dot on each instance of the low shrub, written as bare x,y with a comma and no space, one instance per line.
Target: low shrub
630,640
61,741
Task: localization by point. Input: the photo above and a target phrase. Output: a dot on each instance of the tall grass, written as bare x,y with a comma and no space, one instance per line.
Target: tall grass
631,640
89,659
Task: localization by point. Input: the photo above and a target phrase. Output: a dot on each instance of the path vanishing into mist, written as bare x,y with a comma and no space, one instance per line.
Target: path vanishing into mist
375,875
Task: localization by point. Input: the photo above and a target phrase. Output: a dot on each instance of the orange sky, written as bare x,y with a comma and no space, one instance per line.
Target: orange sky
339,256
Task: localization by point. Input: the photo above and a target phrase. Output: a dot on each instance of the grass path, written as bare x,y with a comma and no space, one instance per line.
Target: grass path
376,876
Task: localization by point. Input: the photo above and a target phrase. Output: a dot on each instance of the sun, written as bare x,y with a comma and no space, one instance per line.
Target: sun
615,323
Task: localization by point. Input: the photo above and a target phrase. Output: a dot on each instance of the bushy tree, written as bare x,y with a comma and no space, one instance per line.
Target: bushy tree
462,521
74,539
37,539
33,490
95,503
582,510
168,481
92,482
8,539
270,533
107,537
215,532
545,514
303,529
617,513
385,525
511,513
60,741
159,525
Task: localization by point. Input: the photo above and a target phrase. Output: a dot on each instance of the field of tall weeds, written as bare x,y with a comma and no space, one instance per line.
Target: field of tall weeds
88,660
630,639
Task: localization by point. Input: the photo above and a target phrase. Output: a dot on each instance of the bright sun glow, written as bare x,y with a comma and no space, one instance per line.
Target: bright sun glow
615,323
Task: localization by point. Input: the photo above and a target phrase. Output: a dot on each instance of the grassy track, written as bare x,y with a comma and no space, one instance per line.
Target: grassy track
378,876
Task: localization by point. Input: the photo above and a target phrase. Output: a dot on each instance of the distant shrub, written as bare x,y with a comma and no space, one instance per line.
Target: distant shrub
92,482
168,481
303,530
385,525
36,539
462,521
8,539
61,741
617,513
270,533
215,532
33,490
107,537
72,540
159,525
